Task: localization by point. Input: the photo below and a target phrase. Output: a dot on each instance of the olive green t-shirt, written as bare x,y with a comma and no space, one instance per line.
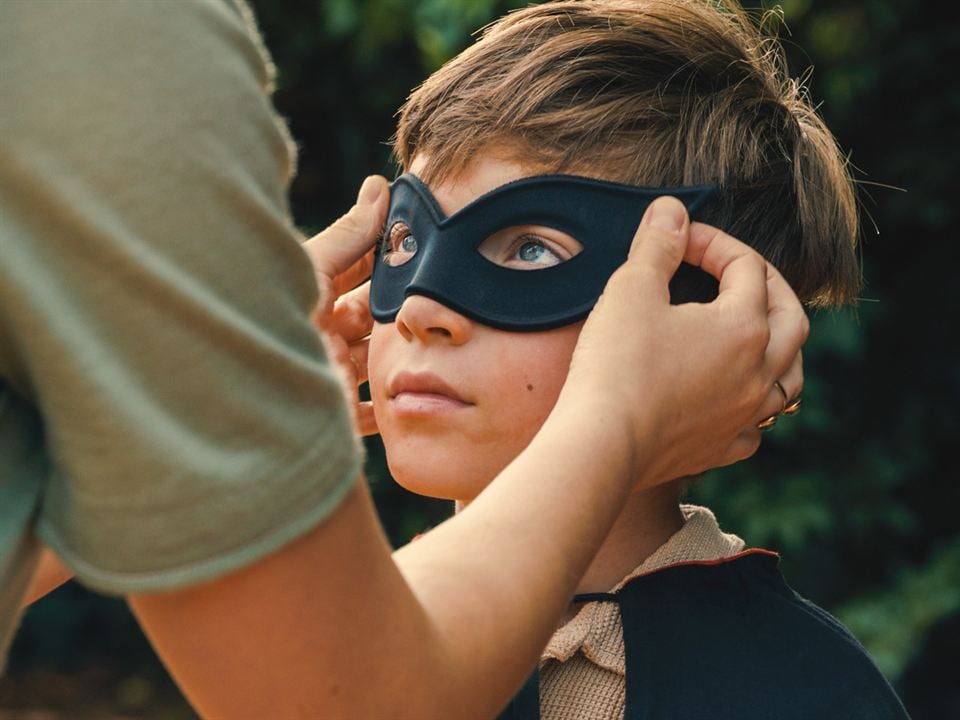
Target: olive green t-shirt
167,413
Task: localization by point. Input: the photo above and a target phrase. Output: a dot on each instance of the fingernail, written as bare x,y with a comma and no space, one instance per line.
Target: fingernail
369,191
667,213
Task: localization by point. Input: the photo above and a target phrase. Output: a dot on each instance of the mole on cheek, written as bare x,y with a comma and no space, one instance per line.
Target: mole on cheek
529,387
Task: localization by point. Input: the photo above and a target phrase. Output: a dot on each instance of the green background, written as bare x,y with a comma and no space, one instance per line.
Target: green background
858,492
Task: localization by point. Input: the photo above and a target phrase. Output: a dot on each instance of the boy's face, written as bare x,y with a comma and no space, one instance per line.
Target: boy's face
456,400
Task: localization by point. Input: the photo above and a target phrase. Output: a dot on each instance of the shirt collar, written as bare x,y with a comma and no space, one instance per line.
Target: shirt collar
596,631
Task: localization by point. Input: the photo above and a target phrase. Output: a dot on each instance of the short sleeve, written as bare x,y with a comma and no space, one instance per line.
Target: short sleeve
154,297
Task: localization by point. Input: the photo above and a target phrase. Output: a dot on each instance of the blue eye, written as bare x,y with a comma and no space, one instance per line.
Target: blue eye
536,253
531,252
529,247
399,245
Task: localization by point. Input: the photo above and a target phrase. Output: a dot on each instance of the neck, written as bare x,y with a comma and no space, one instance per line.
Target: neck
649,518
647,521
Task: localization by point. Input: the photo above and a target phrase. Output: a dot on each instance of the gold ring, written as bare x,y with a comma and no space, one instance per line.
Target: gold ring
786,400
793,408
768,423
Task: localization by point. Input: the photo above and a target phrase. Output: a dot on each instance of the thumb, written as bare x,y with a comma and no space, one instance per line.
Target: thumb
337,248
661,239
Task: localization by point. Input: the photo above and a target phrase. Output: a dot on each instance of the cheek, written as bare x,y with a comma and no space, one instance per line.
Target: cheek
516,379
535,367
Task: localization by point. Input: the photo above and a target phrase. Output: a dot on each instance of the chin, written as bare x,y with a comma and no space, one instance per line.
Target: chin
432,477
442,461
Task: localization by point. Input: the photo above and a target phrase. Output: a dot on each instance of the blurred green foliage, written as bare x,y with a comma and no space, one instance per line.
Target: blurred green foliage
859,492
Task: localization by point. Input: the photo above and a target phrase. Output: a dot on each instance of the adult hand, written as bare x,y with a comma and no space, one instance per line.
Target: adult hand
342,257
690,381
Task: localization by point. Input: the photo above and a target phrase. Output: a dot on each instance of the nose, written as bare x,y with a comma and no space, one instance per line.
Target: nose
432,322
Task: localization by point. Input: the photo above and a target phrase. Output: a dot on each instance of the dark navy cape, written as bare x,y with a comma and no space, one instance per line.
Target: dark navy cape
730,640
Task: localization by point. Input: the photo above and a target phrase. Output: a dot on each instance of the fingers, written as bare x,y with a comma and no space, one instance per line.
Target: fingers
351,363
350,359
338,352
741,270
343,257
365,420
659,243
744,446
776,401
351,318
359,352
792,380
789,329
754,288
345,243
745,277
355,274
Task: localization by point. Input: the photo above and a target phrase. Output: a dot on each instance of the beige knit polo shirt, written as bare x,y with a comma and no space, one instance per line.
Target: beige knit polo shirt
582,671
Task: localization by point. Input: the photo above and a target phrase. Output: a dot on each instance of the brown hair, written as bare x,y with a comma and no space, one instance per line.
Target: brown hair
659,93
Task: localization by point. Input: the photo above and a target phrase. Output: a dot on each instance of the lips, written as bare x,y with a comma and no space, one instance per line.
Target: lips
423,396
422,384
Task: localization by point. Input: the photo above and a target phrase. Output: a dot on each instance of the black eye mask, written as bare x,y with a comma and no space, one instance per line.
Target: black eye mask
447,266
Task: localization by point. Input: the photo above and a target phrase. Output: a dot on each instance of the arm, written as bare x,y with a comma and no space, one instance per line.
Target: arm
331,627
453,622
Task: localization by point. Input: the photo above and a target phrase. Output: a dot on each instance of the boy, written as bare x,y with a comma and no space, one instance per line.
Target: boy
522,158
168,422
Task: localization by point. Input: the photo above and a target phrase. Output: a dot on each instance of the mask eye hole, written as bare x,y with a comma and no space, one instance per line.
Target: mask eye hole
529,247
399,244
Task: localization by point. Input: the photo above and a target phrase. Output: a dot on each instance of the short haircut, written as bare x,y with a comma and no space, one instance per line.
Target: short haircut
659,93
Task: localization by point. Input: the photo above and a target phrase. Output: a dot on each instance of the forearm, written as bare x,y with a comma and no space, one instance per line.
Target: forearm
329,627
325,627
496,578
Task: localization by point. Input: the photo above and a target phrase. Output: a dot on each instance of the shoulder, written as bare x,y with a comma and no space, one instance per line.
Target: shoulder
127,72
746,638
